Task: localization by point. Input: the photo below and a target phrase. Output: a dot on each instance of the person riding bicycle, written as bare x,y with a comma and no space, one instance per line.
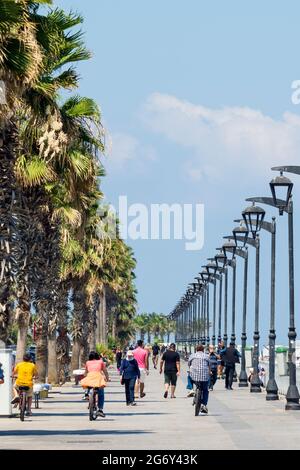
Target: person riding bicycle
25,372
199,365
96,364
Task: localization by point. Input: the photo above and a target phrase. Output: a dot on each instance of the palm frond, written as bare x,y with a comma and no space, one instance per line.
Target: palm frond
33,172
67,214
77,107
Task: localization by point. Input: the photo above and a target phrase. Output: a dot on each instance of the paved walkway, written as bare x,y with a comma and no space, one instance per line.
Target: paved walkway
236,420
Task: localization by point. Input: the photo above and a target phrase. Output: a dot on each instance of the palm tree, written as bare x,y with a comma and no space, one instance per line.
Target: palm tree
140,324
47,157
20,61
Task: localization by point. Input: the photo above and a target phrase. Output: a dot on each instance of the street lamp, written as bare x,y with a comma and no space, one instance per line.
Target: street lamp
211,270
271,389
283,184
229,249
243,253
221,260
206,280
253,217
240,233
194,303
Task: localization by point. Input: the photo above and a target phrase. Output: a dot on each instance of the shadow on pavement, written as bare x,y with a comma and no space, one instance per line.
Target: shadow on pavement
83,432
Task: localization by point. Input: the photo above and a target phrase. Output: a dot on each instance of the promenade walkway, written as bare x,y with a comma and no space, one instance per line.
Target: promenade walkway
236,420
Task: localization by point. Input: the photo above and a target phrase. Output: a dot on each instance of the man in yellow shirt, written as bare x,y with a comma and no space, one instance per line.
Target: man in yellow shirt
25,372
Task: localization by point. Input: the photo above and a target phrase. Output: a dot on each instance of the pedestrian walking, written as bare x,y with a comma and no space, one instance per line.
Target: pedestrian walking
213,361
130,373
221,364
118,357
231,356
155,353
171,362
142,357
199,365
262,376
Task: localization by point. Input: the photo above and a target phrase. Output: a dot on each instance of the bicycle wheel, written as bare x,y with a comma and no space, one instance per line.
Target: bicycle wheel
92,406
197,402
22,405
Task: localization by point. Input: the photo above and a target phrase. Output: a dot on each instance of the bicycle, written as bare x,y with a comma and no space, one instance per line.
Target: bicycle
198,399
93,412
23,404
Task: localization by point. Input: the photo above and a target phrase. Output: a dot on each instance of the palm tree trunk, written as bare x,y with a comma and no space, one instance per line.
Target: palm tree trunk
114,327
23,321
92,342
52,359
42,353
103,317
75,362
8,142
21,342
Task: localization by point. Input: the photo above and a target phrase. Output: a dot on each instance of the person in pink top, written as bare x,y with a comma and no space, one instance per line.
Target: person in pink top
141,355
96,364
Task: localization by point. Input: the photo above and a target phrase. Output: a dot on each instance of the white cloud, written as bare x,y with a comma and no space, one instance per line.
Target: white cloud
122,148
221,140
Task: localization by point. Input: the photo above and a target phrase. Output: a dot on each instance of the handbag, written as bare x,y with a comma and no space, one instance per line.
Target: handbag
122,379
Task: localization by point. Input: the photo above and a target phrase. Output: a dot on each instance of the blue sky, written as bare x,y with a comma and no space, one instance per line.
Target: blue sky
196,98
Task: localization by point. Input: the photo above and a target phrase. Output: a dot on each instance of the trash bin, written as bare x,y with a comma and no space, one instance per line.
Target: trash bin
281,356
6,387
78,375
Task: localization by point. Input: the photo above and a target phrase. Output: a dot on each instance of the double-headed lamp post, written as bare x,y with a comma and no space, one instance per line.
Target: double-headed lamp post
283,185
206,280
240,235
253,217
219,277
211,270
271,388
221,261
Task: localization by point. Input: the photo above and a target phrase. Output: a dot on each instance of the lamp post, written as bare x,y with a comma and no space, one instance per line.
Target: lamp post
221,260
241,235
229,249
206,280
211,270
270,227
253,217
281,183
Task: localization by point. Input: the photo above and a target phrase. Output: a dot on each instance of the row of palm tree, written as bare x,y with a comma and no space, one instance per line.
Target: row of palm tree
154,326
59,264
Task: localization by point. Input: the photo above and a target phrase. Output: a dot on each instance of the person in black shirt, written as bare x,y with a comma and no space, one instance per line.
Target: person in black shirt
213,362
230,356
155,353
118,357
171,361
